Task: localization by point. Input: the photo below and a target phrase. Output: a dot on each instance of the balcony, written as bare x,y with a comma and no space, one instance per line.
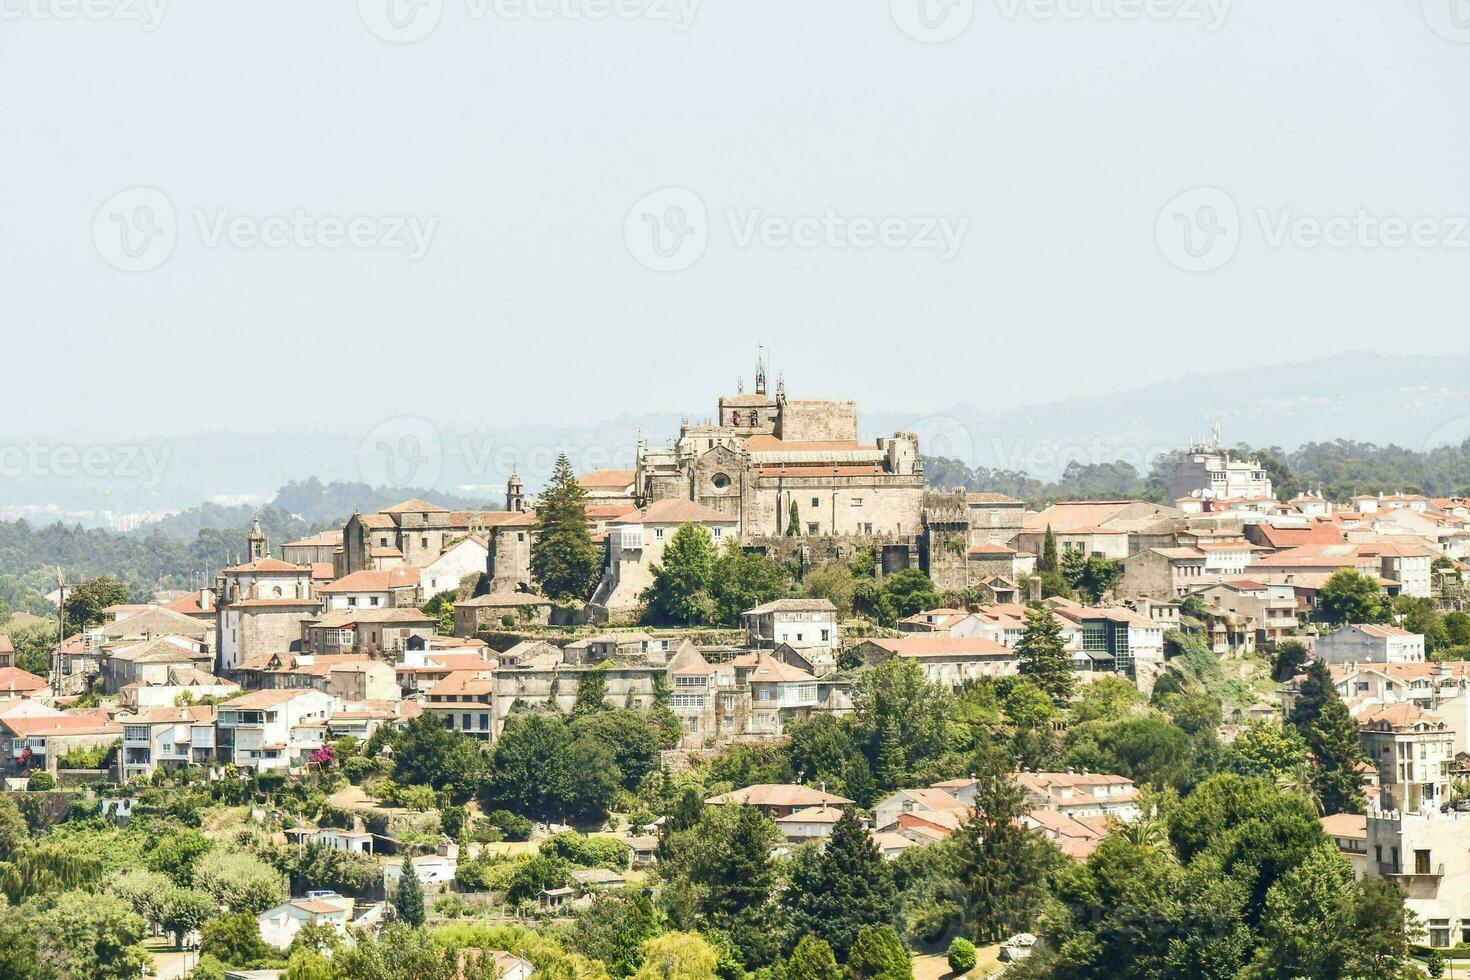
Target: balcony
1387,870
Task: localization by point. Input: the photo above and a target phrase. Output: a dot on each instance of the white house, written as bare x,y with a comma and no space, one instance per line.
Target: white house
430,869
373,589
167,737
274,729
443,574
1371,643
801,624
279,925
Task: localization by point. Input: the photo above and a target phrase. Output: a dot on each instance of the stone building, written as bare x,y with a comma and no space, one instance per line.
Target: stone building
770,462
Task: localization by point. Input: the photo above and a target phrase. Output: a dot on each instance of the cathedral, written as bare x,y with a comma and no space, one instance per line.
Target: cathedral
770,462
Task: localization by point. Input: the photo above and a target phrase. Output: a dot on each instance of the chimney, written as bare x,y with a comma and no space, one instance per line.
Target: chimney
206,599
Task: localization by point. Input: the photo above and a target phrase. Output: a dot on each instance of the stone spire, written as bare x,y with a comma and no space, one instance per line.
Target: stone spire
515,498
257,540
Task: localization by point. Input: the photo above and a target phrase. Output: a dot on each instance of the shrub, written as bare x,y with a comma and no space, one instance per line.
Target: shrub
513,828
41,781
588,852
961,955
359,768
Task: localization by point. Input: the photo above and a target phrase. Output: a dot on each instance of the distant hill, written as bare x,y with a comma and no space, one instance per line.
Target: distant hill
1407,400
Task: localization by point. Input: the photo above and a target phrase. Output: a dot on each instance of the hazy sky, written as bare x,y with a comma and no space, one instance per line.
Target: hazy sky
579,208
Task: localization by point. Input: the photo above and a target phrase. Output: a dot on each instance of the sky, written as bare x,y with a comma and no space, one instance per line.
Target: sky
280,216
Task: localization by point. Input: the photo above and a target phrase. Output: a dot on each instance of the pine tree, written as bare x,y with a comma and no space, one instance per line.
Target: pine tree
1333,739
1314,692
1003,863
813,960
1041,654
740,875
1048,561
838,890
408,899
565,564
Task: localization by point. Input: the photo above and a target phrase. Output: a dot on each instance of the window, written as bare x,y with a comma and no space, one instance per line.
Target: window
449,721
813,529
658,534
423,542
372,600
351,601
464,721
383,542
816,502
1421,864
720,481
717,532
826,636
1439,932
484,722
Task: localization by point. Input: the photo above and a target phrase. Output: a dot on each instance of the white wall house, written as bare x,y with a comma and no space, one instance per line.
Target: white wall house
1371,643
273,729
278,926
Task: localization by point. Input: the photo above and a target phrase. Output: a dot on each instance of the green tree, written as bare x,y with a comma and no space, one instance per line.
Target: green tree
836,584
1304,919
1350,597
1333,740
591,693
14,834
427,753
1048,562
961,955
85,602
741,580
1004,865
93,936
565,563
878,954
793,520
239,881
1315,691
901,720
408,897
909,591
1109,698
1041,654
738,872
1291,657
678,956
183,910
836,890
813,960
234,939
176,853
680,590
1269,751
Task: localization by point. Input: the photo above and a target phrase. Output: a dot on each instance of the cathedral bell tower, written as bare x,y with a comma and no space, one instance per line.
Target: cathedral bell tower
256,540
515,498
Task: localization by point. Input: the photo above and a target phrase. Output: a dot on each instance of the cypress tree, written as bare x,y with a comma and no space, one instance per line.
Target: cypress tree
1314,693
565,564
1333,739
1048,561
408,899
793,520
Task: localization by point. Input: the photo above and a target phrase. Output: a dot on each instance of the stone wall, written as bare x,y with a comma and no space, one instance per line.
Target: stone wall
817,421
